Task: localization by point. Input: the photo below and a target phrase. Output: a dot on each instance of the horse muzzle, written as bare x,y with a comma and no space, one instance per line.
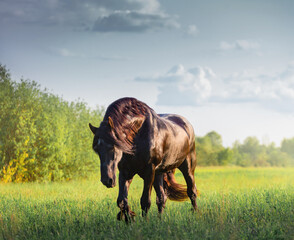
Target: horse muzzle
108,182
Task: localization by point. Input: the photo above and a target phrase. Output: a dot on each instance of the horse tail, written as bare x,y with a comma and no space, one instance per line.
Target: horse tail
173,190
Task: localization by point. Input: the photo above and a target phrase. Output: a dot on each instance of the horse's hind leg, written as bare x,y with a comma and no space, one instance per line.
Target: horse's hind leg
122,200
188,168
160,194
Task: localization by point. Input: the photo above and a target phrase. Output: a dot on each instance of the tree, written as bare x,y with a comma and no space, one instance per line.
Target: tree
42,136
287,146
210,150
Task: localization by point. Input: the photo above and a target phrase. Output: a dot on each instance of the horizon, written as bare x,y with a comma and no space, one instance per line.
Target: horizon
226,66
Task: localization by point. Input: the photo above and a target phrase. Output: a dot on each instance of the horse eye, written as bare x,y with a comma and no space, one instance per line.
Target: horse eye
109,145
97,145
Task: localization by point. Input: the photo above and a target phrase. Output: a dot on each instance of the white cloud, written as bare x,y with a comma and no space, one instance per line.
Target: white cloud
201,86
265,89
239,45
150,6
67,53
180,86
274,92
64,52
192,30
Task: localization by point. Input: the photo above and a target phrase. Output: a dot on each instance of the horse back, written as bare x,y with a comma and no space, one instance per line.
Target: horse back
176,122
175,140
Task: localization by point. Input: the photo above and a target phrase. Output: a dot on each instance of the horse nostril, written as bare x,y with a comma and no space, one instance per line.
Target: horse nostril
110,181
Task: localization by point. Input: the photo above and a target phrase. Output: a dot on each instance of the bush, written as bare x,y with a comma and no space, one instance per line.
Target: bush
42,136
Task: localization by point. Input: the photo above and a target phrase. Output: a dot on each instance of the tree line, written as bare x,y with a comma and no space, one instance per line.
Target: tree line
42,136
45,138
251,152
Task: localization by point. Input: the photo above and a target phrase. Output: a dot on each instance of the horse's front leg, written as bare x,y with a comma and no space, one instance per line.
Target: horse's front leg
122,200
160,194
148,177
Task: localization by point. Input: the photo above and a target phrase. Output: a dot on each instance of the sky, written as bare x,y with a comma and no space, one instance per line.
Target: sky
225,65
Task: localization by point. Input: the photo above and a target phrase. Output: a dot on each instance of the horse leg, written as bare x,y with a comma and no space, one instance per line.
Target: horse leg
148,177
188,168
122,200
160,194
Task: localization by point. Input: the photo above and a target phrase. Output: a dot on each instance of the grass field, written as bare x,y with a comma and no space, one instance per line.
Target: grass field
235,203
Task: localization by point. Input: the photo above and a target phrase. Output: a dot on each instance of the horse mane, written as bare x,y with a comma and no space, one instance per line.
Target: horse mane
123,119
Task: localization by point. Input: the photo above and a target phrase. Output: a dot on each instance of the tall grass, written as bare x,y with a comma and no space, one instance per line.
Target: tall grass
235,203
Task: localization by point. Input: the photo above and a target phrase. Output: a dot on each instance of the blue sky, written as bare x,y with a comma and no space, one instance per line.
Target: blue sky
225,65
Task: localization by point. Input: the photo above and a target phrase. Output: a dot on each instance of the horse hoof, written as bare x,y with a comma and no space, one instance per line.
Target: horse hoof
132,214
120,216
195,210
128,217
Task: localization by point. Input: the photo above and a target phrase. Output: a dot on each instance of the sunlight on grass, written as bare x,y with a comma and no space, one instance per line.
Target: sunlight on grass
234,203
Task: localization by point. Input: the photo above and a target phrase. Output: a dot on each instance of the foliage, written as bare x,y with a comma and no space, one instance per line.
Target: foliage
211,152
208,149
235,203
288,147
42,136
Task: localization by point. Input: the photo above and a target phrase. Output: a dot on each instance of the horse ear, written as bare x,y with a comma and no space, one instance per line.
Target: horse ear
93,129
110,122
136,124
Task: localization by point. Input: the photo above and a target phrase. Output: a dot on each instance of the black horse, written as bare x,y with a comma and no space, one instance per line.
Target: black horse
139,141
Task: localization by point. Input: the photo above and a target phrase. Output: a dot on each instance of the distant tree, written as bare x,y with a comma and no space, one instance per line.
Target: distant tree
225,157
240,157
251,146
215,139
210,150
287,146
279,159
206,155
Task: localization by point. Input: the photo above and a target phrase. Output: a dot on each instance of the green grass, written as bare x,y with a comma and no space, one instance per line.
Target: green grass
235,203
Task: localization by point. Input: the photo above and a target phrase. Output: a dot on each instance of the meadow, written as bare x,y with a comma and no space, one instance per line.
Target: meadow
234,203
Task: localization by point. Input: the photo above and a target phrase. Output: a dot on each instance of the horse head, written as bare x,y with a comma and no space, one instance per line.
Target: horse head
108,153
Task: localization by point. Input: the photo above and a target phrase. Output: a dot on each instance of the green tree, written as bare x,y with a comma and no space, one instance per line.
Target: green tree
287,147
210,150
42,136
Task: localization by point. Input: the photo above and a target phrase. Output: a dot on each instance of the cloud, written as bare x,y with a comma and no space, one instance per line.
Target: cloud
201,86
180,86
265,89
67,53
99,16
132,21
192,30
64,52
239,45
77,14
